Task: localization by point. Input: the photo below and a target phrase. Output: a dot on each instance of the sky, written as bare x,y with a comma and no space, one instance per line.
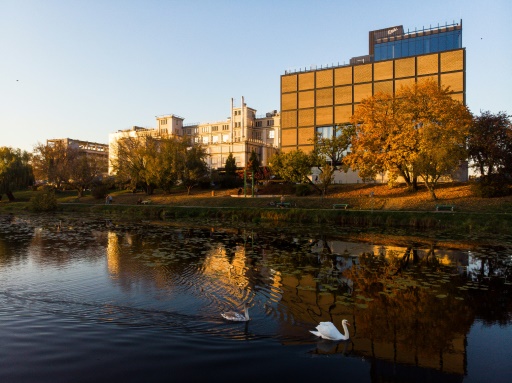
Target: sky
82,69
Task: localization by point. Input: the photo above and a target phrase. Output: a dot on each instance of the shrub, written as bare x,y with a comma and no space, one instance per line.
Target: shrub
496,185
99,191
43,201
302,190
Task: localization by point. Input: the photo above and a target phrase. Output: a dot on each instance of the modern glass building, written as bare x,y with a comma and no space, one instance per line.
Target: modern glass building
317,100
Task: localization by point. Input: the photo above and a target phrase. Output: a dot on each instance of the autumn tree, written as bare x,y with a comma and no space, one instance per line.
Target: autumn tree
83,172
418,132
490,143
53,162
15,171
253,164
490,149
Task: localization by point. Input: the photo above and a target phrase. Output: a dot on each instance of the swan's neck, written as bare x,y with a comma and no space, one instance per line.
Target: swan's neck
246,312
345,329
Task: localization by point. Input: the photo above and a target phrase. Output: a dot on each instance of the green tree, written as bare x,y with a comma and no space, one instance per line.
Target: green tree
15,171
329,153
294,166
230,166
195,167
133,160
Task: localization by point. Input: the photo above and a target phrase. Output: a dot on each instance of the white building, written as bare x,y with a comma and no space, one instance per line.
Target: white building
240,134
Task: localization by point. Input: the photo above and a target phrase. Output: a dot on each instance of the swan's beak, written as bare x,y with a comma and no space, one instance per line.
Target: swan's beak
348,324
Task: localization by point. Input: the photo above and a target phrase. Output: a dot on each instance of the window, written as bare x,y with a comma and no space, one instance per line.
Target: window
215,128
215,139
324,131
163,122
205,129
270,134
205,140
225,137
225,127
256,135
258,124
270,122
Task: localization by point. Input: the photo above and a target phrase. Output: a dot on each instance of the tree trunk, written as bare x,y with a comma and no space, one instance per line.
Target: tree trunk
10,196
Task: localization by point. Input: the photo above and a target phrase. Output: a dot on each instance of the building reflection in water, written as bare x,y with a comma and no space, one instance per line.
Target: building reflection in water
415,316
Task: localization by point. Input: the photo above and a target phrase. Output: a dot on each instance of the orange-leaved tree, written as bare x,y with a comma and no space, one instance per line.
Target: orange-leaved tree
418,132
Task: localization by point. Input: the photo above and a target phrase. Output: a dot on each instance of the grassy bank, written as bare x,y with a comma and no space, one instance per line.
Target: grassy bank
369,206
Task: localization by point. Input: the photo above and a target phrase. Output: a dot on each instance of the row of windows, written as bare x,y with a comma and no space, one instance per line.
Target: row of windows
355,93
418,45
383,70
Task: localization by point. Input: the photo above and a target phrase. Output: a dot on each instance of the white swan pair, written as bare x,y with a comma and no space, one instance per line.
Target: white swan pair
237,317
327,330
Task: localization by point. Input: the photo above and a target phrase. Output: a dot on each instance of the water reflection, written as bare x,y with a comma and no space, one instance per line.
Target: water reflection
410,306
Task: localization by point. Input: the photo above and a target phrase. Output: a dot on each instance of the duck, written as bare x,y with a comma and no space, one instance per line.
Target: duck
237,317
327,330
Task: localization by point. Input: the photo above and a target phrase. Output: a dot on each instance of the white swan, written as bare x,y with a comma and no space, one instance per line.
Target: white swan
329,331
237,317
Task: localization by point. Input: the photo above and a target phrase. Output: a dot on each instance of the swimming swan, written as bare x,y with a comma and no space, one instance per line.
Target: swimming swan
329,331
237,317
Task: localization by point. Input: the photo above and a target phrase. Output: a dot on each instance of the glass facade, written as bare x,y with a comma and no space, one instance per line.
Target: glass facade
414,46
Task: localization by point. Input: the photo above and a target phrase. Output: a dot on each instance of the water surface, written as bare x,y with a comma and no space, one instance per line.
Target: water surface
88,299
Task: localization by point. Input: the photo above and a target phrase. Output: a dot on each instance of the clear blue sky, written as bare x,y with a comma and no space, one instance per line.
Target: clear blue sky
85,68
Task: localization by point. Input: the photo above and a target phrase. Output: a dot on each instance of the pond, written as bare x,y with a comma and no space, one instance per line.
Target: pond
91,299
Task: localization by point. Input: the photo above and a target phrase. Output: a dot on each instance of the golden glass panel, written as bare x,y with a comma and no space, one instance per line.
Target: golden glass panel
343,76
324,78
289,83
453,60
324,97
362,73
306,117
306,136
428,64
404,67
289,137
458,96
324,116
342,114
383,87
343,95
289,101
454,80
306,99
289,119
306,80
401,83
383,70
433,77
362,91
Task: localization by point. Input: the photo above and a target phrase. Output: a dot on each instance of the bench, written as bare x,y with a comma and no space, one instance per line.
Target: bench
340,205
445,207
146,202
283,204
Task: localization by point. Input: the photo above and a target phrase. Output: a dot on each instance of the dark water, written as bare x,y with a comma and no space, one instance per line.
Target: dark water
89,300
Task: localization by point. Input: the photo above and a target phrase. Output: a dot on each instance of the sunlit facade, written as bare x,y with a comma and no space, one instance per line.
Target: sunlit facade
316,100
240,134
